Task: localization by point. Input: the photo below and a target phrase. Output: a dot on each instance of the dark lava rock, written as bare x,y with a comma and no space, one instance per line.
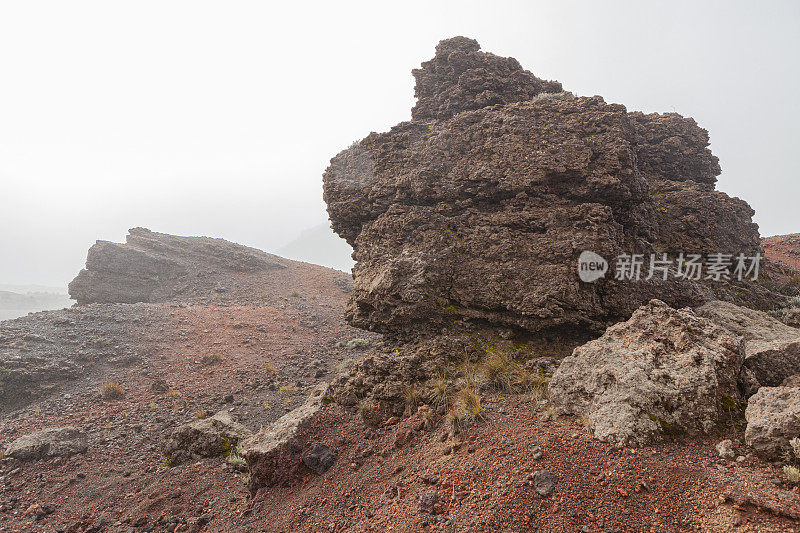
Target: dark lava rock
544,482
319,457
427,502
474,213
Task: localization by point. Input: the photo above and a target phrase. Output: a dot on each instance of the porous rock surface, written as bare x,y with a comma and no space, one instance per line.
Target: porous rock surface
208,437
663,372
772,349
473,214
773,419
49,443
274,454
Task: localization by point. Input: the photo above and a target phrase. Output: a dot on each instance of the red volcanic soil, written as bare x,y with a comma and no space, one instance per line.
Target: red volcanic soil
482,481
270,357
783,249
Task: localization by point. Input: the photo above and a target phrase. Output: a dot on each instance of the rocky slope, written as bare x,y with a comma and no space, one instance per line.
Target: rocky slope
474,213
155,267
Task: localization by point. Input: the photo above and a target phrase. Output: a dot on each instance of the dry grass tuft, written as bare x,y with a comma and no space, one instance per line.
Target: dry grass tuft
112,390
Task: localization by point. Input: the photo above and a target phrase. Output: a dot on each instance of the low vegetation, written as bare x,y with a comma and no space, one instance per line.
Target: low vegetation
211,359
112,391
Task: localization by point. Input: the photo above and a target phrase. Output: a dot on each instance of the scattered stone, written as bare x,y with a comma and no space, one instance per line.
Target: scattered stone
49,443
662,372
319,457
544,482
536,453
725,449
427,502
208,437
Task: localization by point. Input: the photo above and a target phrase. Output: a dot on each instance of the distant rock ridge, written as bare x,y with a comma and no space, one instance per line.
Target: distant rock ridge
156,267
473,214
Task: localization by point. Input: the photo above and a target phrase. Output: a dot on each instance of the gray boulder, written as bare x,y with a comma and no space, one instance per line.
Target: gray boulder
274,454
772,349
773,419
48,443
208,437
663,372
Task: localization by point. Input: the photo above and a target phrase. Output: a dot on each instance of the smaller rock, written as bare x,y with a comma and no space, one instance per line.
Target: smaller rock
319,457
725,449
47,443
544,482
427,502
536,453
208,437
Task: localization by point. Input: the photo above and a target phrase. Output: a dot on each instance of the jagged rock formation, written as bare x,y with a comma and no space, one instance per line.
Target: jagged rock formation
663,372
156,267
474,213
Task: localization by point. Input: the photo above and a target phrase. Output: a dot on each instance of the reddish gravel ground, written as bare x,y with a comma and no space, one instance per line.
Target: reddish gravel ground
783,249
482,481
271,356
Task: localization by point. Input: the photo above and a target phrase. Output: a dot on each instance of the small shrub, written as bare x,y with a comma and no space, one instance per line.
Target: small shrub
412,395
211,359
165,462
112,391
499,367
795,443
456,419
289,388
237,461
201,414
440,389
358,344
792,473
469,399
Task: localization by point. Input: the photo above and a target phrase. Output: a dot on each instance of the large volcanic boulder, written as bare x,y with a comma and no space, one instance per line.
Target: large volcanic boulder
475,212
663,372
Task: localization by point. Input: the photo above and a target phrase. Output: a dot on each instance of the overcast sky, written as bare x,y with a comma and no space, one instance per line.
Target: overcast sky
218,118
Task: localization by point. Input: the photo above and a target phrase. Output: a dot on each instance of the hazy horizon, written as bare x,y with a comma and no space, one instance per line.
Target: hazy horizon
196,119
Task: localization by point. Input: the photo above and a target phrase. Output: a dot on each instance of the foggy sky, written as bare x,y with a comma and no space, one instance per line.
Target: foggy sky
218,118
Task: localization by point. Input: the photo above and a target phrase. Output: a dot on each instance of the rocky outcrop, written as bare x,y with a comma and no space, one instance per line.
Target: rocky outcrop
460,77
155,267
772,349
474,213
661,373
773,419
209,437
48,443
275,454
